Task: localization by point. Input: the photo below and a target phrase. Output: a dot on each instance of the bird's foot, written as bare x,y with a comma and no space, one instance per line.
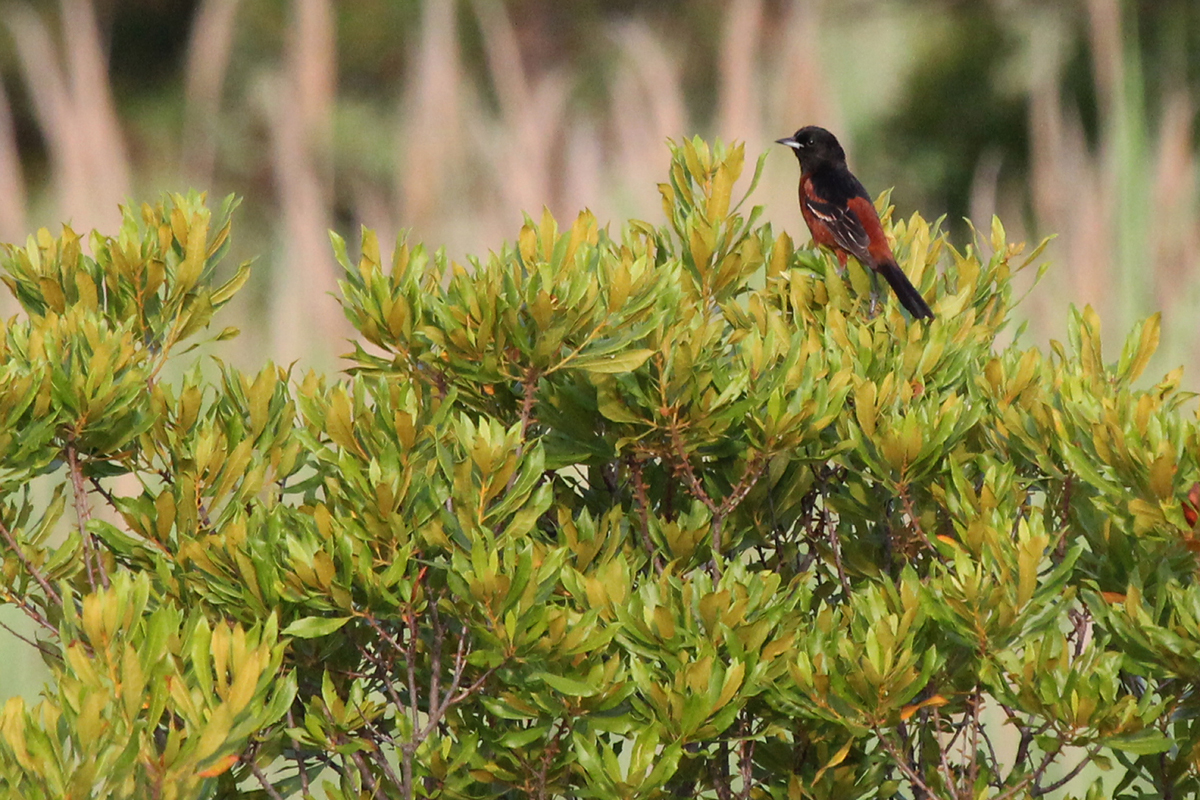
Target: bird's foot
873,308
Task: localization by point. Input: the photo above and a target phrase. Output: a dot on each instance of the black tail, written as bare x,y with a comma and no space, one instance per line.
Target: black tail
906,293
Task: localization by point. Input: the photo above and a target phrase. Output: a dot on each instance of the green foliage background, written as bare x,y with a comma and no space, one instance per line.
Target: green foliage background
634,513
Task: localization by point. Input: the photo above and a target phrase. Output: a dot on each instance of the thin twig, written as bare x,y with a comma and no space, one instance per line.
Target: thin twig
435,657
914,520
906,747
973,764
473,688
1047,760
685,466
33,643
410,658
25,562
365,771
1032,778
835,545
529,382
438,701
1018,787
1060,547
262,778
745,766
902,763
718,772
1081,628
1026,738
381,669
377,754
643,504
108,496
1065,779
750,475
552,750
84,515
994,759
291,721
942,751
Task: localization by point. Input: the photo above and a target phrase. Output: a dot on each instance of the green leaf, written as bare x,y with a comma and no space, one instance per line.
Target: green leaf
626,361
314,627
571,687
228,289
1143,743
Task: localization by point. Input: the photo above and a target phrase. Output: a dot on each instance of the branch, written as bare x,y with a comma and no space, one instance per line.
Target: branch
84,514
377,753
825,520
552,750
33,643
685,466
291,721
438,701
1026,735
835,545
745,766
368,778
470,690
1081,629
408,652
410,663
1035,777
718,772
914,521
1060,547
902,763
945,764
976,701
995,759
1047,760
381,669
435,657
643,504
258,773
750,475
529,382
108,496
25,562
1065,779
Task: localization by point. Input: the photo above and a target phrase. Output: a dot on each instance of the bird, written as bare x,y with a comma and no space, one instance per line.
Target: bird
840,215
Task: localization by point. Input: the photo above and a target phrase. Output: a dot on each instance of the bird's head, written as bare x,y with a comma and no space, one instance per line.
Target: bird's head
814,147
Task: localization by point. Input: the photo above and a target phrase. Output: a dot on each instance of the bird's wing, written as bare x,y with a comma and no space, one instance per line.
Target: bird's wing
845,225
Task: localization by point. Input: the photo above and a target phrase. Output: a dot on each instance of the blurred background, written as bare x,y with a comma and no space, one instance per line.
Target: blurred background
453,117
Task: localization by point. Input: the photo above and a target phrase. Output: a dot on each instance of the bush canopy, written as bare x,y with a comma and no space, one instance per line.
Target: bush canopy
656,512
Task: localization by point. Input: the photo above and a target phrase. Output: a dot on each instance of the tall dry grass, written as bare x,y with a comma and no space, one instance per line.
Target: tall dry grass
472,149
1126,212
299,107
12,183
210,44
65,73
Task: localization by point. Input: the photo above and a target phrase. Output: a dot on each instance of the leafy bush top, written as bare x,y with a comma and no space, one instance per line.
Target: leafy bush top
659,511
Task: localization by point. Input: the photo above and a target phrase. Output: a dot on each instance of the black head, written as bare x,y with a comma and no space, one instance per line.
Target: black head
815,147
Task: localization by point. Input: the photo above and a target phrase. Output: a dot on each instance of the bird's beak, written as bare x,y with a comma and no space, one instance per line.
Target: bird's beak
790,142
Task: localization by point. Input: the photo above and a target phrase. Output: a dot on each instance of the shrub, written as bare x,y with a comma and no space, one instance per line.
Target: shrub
659,512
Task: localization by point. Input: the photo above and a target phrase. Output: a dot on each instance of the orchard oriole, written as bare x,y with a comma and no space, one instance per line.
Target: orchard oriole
840,215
